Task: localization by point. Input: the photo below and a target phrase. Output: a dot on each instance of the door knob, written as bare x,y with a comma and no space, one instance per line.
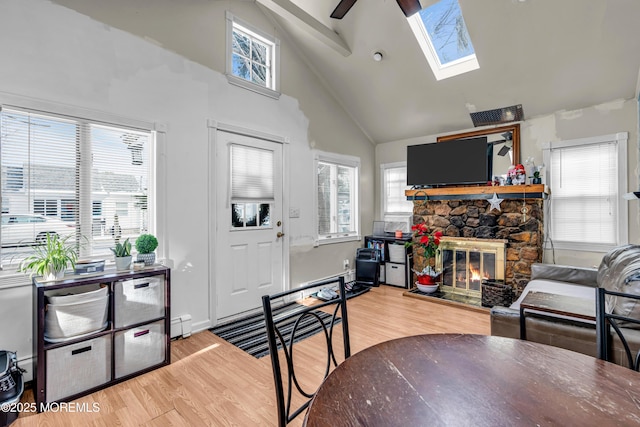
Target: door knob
280,234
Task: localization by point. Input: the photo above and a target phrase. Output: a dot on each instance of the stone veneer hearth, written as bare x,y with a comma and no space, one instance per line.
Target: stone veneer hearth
475,218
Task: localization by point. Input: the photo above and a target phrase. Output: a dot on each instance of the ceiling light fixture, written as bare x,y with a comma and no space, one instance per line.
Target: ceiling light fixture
377,56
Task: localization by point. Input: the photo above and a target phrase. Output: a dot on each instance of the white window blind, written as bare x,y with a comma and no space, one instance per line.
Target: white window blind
76,172
251,173
337,197
587,184
394,185
252,191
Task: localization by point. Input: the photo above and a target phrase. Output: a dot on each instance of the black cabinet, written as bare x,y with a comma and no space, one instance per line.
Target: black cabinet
92,331
396,260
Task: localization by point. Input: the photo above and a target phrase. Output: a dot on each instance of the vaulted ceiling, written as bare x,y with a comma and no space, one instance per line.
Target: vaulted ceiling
547,55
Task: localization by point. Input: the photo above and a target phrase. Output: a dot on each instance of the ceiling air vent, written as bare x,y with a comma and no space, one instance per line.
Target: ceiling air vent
498,116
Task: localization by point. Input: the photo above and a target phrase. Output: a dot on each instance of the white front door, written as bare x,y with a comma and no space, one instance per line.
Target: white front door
249,236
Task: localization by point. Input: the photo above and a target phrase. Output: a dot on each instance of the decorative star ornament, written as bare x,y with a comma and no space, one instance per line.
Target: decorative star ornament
495,202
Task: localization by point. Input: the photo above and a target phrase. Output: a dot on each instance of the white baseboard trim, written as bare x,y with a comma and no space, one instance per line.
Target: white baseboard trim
201,326
181,327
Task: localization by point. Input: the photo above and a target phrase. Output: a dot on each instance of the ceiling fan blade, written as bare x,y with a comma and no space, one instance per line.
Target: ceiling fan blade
342,8
409,7
504,150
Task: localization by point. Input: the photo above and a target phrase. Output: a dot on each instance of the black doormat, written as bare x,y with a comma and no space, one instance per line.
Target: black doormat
249,333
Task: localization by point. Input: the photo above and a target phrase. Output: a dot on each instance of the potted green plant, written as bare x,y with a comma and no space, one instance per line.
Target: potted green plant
122,251
50,259
536,178
146,244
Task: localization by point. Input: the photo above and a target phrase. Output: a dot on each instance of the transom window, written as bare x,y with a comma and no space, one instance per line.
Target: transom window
443,36
337,197
252,58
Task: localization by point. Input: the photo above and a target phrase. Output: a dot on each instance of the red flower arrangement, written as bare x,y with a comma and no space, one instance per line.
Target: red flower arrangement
422,238
430,244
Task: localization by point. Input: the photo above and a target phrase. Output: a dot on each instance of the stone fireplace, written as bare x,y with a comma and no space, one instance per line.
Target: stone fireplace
465,213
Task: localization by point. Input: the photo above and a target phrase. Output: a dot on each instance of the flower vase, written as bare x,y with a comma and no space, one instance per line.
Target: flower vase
426,279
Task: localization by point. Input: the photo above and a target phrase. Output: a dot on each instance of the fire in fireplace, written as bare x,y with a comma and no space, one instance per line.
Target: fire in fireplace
465,262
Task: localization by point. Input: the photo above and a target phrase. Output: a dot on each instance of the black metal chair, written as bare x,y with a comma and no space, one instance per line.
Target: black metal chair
606,321
279,324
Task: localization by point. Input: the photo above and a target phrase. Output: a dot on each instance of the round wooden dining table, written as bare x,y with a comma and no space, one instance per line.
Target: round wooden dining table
475,380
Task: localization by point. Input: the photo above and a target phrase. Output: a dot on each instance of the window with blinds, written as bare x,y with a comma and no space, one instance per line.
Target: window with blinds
587,178
252,178
396,210
337,197
394,185
85,179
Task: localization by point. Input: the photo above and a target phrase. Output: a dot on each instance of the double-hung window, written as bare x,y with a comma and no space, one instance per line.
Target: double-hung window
75,177
396,209
252,58
587,178
336,184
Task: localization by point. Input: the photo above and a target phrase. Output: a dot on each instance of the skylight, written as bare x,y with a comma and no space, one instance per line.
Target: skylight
444,39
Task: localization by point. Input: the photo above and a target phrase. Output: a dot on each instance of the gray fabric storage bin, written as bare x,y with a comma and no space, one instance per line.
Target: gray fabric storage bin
77,294
397,253
139,348
395,274
78,367
138,300
75,312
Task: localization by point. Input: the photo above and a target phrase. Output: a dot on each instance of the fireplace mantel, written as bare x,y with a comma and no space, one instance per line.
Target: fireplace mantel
532,191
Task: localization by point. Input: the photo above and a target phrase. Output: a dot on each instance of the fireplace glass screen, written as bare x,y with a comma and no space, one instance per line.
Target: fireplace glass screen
466,262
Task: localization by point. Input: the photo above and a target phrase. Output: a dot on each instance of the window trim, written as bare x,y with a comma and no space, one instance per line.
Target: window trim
341,160
273,92
157,177
621,138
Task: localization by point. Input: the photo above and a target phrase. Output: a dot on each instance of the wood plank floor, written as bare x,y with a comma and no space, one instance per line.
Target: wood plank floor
212,383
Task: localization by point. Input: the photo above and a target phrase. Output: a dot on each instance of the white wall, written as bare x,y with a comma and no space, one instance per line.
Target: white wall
195,29
612,117
55,54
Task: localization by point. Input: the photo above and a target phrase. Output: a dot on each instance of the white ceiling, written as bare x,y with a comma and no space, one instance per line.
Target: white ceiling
547,55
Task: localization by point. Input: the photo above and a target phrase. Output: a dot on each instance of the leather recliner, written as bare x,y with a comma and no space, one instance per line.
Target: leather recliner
619,271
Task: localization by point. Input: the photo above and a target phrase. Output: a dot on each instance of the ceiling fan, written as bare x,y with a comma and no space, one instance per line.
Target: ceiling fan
507,141
409,7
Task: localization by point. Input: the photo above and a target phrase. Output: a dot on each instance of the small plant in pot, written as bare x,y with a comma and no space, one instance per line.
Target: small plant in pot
50,259
536,179
122,251
146,244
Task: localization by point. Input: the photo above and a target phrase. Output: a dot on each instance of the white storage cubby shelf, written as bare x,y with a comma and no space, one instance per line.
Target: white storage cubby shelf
92,331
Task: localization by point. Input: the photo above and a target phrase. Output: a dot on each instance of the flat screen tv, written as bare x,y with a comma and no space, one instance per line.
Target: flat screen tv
461,161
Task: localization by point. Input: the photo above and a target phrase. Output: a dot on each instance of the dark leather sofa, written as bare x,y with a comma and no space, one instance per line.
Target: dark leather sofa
619,271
